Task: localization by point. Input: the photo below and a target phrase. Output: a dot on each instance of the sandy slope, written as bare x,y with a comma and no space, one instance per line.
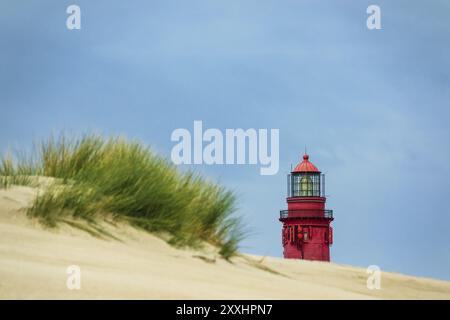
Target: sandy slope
33,263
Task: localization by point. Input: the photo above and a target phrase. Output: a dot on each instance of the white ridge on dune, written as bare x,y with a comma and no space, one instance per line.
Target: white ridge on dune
138,265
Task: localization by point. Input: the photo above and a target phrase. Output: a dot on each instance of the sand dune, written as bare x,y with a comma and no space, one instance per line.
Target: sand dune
137,265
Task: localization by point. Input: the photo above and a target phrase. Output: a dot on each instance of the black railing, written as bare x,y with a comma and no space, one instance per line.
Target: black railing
306,214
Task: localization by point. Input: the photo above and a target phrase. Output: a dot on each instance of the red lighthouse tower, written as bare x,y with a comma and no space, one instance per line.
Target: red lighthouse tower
307,233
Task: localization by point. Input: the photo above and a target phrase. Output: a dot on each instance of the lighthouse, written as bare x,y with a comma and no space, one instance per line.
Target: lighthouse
306,232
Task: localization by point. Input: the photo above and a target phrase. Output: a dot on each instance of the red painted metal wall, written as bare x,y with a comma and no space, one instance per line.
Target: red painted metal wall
307,239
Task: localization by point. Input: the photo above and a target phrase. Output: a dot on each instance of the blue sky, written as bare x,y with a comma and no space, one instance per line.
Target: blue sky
373,107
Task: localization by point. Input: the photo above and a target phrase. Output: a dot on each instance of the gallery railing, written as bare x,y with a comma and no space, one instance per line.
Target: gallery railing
306,213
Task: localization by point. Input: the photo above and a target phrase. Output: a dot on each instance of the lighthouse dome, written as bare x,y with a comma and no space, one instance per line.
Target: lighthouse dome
306,165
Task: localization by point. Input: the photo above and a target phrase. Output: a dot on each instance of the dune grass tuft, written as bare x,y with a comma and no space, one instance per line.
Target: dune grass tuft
96,176
15,173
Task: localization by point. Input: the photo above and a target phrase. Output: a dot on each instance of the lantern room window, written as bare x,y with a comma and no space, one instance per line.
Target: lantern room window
306,187
306,184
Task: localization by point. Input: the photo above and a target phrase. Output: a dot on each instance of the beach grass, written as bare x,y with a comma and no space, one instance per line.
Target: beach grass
96,176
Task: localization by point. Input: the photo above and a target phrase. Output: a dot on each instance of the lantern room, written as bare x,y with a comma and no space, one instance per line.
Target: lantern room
306,180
